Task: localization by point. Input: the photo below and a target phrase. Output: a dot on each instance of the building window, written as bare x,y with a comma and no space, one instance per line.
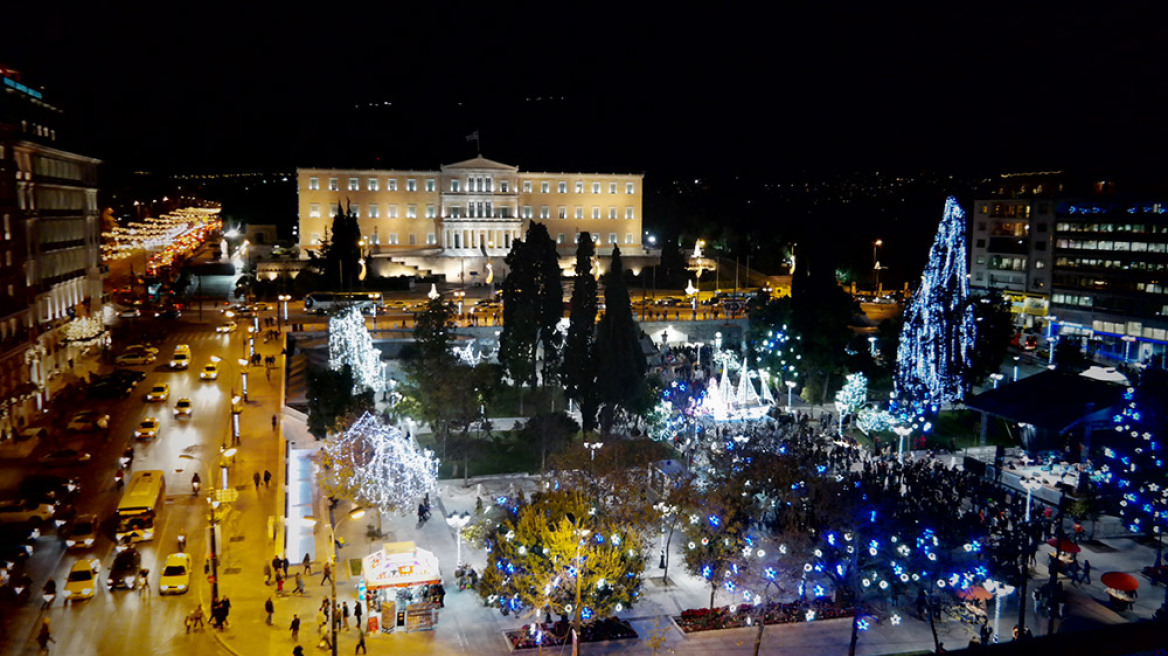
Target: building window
628,237
612,212
577,239
612,187
354,184
612,238
334,209
411,184
980,243
391,184
431,212
596,212
313,183
411,211
376,238
1041,246
544,213
431,185
1039,264
504,186
334,184
393,211
526,211
315,239
313,211
560,238
393,239
579,212
431,239
563,212
545,187
596,187
527,186
579,187
628,212
629,189
374,211
562,187
355,210
371,184
454,184
413,239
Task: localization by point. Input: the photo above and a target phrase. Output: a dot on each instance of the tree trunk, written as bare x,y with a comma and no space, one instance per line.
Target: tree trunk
713,589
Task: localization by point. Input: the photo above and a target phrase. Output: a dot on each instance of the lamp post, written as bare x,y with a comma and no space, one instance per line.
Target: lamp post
842,409
876,263
872,346
692,292
236,409
433,293
1051,339
214,577
1016,359
356,513
1031,484
902,431
457,522
666,511
593,447
284,298
244,364
998,590
790,388
996,378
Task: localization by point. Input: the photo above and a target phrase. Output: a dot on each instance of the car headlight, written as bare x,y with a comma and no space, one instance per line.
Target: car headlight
89,542
87,591
129,581
66,593
180,587
69,543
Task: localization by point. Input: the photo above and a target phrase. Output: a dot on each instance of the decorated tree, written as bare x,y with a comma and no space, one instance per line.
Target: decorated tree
555,550
1134,461
350,345
716,536
853,395
937,340
377,465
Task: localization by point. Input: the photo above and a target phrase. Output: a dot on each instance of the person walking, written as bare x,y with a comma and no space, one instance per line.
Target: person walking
328,573
360,641
279,582
44,637
295,628
298,651
299,583
270,609
267,573
284,565
256,477
357,613
1087,571
307,565
267,478
345,614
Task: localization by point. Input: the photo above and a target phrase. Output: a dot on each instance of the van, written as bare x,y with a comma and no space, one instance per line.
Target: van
181,358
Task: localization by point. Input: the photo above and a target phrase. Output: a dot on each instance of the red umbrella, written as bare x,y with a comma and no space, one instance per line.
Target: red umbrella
1121,581
975,592
1064,545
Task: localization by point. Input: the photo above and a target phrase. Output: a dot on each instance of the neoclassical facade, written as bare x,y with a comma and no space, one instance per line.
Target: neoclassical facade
454,220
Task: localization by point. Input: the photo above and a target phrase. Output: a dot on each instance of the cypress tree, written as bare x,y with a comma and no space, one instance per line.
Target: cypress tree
579,369
620,361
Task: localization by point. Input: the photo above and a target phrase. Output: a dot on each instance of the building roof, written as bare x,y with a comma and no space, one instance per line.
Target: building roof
1051,400
480,162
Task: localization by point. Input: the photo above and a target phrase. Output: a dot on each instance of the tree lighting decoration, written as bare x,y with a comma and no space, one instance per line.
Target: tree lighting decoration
378,465
854,394
350,344
937,340
83,328
1135,467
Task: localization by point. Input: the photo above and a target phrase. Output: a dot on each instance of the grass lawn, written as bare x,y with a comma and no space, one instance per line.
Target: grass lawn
509,401
502,453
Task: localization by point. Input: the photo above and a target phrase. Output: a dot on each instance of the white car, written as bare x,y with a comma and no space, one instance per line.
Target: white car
209,372
152,350
87,421
132,313
135,358
83,579
147,429
183,408
20,511
176,574
159,392
228,327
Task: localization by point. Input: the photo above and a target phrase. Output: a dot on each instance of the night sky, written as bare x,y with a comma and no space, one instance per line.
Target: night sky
668,91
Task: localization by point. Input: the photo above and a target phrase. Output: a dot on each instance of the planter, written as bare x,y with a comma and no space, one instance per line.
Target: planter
704,619
558,634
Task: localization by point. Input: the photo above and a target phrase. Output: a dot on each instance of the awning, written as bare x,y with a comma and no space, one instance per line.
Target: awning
400,565
1121,581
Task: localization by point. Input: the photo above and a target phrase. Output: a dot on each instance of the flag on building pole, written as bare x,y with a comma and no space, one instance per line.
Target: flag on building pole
474,136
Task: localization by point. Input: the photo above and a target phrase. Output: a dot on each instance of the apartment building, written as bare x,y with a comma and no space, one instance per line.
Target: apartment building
456,219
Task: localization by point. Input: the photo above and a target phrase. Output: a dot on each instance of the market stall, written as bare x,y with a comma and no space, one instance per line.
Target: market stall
402,587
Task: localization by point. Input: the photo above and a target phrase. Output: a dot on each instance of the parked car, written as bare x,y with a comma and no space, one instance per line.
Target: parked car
81,533
159,392
63,457
147,429
83,579
18,511
210,372
13,553
88,421
176,574
152,350
124,572
38,432
135,358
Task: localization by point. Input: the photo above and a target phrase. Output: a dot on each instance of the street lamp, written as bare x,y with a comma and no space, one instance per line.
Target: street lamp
284,298
593,447
433,293
1051,339
996,378
872,346
457,521
1031,484
460,295
876,263
902,431
236,409
1016,359
790,388
842,408
692,292
356,513
666,511
998,590
251,341
244,364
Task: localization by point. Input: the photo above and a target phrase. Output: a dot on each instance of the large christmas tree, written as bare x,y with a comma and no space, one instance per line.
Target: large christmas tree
936,342
1134,461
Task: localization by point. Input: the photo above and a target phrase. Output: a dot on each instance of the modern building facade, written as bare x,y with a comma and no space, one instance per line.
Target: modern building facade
50,265
1010,252
454,220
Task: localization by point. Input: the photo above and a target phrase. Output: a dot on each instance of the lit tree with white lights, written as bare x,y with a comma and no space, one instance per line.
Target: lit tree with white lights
350,344
854,394
1134,465
937,340
377,465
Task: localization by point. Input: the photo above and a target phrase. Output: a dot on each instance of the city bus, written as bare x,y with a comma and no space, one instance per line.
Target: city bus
138,509
325,302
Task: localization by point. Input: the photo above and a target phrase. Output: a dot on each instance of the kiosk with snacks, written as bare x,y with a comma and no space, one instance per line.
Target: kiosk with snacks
400,580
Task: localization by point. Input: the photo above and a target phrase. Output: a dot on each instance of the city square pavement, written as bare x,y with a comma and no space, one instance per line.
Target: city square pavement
255,531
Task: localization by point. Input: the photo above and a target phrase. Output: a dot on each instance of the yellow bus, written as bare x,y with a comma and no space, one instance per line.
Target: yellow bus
138,509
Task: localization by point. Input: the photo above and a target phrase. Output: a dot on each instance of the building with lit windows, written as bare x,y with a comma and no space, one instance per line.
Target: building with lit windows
454,220
50,266
1010,252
